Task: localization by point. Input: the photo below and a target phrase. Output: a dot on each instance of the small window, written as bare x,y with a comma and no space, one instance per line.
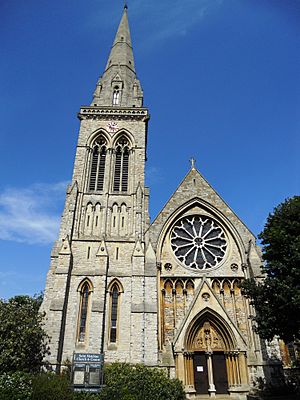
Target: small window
114,312
83,311
116,96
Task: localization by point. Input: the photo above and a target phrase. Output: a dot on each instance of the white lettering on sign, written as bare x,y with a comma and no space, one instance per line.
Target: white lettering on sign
199,368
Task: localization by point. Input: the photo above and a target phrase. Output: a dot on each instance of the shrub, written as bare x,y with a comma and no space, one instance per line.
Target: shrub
127,382
15,386
86,396
122,382
49,386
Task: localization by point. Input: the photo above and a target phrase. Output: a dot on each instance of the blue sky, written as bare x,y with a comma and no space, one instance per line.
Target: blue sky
221,79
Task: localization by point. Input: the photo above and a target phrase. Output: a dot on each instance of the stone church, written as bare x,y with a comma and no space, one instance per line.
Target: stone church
165,293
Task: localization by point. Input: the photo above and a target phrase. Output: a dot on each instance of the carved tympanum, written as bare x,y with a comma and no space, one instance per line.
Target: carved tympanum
208,339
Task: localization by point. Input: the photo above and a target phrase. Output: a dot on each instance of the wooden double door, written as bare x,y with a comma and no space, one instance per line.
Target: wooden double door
219,372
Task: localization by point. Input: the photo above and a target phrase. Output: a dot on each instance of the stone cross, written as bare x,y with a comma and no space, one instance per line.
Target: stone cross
193,162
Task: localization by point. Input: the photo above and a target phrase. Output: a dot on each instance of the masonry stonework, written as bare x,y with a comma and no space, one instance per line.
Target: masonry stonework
166,294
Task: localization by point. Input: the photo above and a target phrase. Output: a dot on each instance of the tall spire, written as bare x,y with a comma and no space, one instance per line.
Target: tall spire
121,51
120,72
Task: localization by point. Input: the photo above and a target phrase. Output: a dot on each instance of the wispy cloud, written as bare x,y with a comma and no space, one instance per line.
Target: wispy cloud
31,215
156,21
171,18
153,175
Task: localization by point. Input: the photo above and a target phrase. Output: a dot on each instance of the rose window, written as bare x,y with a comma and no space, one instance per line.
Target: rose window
198,242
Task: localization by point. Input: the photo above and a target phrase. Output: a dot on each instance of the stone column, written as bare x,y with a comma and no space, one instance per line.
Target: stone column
243,368
211,385
236,361
180,367
228,366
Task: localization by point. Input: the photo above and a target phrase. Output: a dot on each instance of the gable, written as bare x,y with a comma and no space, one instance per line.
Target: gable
195,189
205,303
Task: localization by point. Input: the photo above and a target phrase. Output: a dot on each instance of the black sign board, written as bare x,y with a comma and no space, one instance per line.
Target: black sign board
87,372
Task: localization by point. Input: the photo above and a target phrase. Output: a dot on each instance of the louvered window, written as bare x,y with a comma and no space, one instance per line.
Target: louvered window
84,301
94,167
100,181
114,314
121,165
118,169
125,170
98,161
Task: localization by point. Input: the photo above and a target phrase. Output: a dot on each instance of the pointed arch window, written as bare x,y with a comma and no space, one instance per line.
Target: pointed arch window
116,96
98,161
115,292
121,165
85,292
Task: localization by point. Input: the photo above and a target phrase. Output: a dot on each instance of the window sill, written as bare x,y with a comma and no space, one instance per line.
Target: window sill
112,346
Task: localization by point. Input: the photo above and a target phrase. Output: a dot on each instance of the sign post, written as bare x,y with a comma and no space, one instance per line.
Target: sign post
87,372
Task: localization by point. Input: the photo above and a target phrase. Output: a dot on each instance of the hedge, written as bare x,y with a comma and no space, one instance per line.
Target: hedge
122,382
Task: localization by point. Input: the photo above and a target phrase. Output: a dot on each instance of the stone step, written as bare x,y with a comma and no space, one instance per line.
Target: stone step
207,397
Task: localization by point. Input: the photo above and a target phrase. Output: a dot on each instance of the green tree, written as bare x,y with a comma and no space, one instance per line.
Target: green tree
23,342
277,298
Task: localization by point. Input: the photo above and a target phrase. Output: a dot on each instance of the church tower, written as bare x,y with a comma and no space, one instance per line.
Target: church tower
95,297
166,294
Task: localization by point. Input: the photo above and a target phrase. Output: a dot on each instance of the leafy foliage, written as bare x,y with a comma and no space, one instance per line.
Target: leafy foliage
277,298
86,396
123,382
127,382
15,386
49,386
22,338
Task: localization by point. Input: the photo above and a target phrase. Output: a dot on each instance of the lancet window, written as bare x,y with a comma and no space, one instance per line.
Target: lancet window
88,219
116,96
98,161
85,292
121,165
114,312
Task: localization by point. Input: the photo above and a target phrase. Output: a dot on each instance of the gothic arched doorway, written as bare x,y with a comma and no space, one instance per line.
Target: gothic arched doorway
212,363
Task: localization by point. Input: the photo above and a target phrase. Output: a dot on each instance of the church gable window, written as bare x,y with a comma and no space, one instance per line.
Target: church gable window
98,162
115,292
121,165
198,242
85,292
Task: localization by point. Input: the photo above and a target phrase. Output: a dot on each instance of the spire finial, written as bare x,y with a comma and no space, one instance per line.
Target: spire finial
193,162
125,5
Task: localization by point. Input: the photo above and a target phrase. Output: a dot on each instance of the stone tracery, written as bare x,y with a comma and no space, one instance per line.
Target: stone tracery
198,242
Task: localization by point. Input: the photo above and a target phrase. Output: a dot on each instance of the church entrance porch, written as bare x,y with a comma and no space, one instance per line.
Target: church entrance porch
211,364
